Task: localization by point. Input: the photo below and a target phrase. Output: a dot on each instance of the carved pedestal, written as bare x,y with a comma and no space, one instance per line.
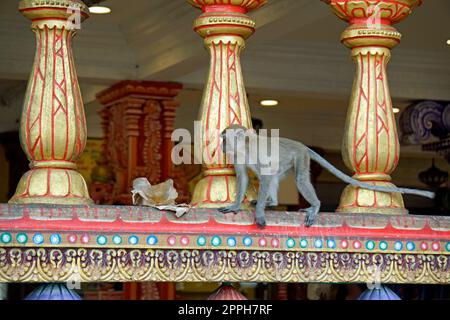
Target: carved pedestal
371,146
224,26
138,120
53,125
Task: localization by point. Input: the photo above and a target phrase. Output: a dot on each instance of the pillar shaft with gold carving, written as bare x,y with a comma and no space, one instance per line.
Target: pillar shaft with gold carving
53,125
224,28
371,147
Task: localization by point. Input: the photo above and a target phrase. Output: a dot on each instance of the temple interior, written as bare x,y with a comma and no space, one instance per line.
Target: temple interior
142,72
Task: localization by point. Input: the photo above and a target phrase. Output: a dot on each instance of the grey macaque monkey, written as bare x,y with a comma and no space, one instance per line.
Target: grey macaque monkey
239,142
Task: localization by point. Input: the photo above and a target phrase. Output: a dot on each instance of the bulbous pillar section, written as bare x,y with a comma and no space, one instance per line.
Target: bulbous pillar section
224,25
53,125
371,147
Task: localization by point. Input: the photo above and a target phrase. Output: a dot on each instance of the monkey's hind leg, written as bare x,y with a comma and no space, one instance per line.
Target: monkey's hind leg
306,189
272,200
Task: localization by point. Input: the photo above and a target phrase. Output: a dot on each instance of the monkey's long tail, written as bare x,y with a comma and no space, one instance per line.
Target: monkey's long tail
324,163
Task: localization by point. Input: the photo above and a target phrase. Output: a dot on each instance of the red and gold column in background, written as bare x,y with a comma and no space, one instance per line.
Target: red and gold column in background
138,119
53,125
371,146
224,25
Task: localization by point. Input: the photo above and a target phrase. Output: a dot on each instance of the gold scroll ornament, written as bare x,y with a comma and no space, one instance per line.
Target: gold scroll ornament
53,124
371,146
224,26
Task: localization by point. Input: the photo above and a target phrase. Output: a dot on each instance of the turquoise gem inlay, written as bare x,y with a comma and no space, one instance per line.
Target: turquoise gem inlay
133,240
101,240
201,241
6,237
38,238
447,247
247,241
55,239
370,245
383,245
117,239
216,241
303,243
410,246
290,243
231,241
152,240
398,246
331,244
22,238
318,243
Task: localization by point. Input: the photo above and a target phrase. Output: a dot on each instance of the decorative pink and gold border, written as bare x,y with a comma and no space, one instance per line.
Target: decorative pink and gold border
408,249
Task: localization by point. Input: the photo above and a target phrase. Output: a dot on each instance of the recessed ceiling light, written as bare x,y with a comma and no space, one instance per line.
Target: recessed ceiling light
396,110
269,103
99,10
448,42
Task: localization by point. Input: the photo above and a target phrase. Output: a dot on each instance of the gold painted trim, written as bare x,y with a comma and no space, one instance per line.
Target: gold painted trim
122,265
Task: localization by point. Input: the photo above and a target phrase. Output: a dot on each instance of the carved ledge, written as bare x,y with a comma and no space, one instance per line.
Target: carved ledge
131,88
119,243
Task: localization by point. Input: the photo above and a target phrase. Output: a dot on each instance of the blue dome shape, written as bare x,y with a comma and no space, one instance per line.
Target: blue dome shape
53,291
382,293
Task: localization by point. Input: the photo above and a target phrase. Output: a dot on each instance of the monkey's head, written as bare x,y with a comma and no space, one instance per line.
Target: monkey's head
234,138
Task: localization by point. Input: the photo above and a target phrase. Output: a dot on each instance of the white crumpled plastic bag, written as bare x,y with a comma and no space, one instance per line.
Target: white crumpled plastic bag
161,196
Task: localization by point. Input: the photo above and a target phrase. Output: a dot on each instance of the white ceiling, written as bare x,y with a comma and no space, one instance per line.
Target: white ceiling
145,39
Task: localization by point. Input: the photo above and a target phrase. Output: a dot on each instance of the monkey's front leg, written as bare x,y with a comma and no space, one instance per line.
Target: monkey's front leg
272,198
264,185
241,189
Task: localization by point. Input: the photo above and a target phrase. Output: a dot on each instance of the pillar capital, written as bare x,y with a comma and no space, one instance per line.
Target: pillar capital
370,22
242,6
363,36
224,23
229,21
54,13
360,12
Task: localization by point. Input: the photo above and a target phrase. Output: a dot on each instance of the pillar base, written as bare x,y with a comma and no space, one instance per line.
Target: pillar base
52,186
357,200
217,189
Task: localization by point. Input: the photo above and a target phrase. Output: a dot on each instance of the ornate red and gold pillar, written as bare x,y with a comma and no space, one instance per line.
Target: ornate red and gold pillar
138,119
224,25
371,146
53,125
